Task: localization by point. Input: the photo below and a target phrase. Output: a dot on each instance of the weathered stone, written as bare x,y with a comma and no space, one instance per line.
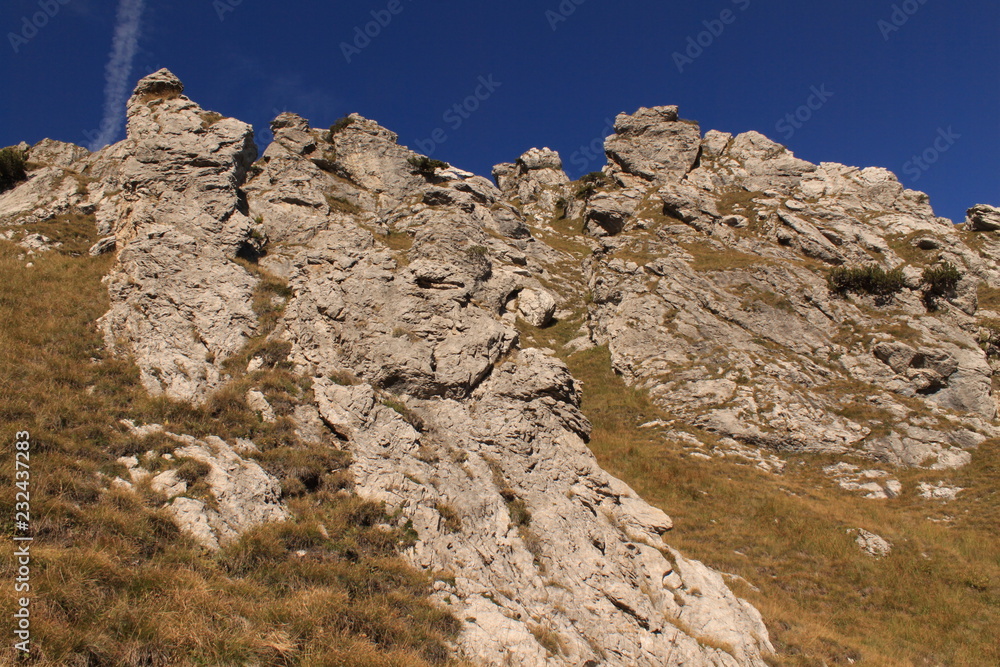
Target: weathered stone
872,544
697,271
103,246
536,307
537,180
654,144
180,304
939,491
983,218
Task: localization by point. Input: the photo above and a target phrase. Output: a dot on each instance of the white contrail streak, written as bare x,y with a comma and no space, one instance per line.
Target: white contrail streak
118,70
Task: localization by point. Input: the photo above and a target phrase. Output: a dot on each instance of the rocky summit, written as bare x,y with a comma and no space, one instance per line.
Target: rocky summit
768,307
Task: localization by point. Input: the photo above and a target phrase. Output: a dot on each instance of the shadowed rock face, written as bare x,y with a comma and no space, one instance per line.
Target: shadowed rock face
705,259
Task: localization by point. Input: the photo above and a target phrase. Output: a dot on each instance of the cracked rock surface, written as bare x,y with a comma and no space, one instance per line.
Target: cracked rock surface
699,261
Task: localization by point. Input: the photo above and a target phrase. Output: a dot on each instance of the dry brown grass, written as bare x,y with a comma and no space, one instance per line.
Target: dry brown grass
568,237
903,246
737,201
989,298
709,258
935,600
113,580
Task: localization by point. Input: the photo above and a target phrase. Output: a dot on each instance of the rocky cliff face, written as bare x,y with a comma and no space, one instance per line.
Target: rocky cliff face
701,262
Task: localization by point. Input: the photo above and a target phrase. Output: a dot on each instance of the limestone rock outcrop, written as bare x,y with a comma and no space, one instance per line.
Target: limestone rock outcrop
236,494
181,304
712,293
412,290
983,218
406,284
475,441
653,144
536,180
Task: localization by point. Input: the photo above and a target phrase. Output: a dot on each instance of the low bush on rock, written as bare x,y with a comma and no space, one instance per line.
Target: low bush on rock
871,279
12,168
941,278
426,165
589,184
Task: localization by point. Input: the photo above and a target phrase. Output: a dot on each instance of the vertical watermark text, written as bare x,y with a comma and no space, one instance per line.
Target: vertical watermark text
22,542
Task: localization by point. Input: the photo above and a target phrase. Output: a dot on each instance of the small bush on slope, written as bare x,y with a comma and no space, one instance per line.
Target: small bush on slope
113,580
866,280
426,165
941,278
12,168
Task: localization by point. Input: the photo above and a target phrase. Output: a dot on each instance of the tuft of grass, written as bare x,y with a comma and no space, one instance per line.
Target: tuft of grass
339,126
303,470
548,639
342,205
344,378
708,258
269,297
452,521
210,118
192,471
768,298
519,513
397,240
989,297
408,415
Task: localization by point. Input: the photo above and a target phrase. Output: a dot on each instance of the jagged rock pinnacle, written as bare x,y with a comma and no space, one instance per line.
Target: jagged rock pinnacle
162,83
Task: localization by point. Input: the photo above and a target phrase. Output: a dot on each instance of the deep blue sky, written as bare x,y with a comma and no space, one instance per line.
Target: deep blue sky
890,97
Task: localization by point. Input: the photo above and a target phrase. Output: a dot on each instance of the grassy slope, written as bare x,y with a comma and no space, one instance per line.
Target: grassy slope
114,582
935,600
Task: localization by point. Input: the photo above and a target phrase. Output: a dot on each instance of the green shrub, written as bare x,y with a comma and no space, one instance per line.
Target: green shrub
595,177
478,251
872,279
426,165
11,168
942,278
